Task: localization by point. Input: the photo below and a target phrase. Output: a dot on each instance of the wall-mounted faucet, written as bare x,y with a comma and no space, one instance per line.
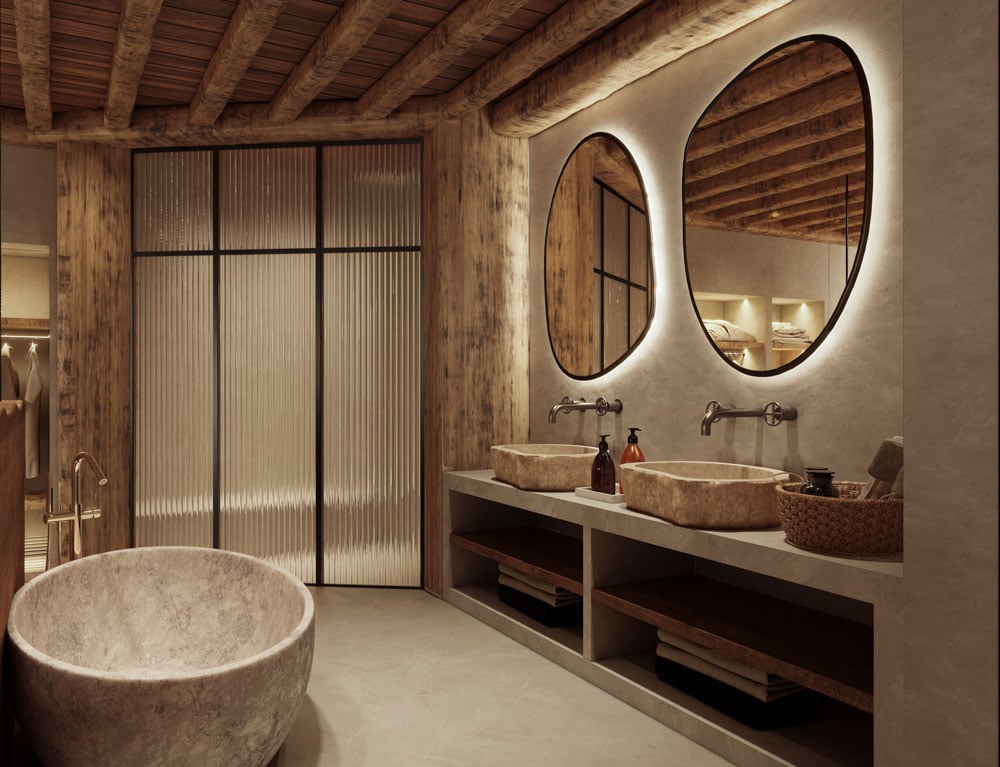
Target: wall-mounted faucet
568,405
78,513
772,413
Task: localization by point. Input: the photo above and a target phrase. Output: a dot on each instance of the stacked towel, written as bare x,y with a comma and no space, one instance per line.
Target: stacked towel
722,330
536,588
787,334
741,676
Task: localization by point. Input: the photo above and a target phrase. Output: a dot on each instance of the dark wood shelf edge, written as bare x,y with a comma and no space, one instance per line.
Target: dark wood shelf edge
540,553
634,600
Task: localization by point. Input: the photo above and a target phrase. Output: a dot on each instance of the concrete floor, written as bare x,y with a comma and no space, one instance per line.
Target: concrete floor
402,679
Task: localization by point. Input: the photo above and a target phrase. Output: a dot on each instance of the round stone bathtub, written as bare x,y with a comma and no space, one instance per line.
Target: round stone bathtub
160,656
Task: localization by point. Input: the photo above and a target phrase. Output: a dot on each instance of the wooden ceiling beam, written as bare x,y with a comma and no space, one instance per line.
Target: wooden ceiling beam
238,124
460,30
828,236
827,126
657,34
805,69
32,31
832,216
781,169
826,172
248,28
574,21
132,44
836,93
344,36
763,205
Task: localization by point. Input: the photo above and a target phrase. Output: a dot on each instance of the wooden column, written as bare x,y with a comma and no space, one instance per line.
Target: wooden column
94,309
476,306
11,534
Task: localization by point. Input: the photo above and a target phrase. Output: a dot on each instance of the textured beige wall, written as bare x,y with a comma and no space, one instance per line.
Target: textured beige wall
950,382
926,294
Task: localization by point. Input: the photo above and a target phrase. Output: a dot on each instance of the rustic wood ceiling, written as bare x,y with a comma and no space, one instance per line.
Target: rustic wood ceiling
199,72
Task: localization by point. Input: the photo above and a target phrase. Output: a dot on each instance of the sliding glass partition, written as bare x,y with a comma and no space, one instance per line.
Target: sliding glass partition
277,353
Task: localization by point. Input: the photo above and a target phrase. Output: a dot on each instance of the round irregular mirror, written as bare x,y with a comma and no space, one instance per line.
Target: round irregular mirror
777,175
598,261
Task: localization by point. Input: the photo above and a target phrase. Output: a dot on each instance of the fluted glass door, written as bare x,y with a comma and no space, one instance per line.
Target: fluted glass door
278,331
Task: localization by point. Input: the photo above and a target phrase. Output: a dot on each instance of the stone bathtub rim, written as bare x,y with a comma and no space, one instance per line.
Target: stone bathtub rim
172,675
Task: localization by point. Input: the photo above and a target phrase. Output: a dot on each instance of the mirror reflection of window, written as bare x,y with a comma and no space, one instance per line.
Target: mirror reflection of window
598,260
776,180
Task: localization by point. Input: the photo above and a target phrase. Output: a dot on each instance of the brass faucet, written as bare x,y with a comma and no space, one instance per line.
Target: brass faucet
77,514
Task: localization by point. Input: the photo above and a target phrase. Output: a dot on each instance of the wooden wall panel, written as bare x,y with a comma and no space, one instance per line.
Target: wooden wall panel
476,306
11,528
94,309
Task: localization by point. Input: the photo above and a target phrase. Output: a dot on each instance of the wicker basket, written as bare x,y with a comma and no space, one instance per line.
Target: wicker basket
843,525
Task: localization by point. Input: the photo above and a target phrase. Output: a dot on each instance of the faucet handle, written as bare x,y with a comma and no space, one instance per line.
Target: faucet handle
774,413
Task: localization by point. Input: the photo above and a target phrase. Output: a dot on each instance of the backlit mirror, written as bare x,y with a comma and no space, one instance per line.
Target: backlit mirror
777,174
598,263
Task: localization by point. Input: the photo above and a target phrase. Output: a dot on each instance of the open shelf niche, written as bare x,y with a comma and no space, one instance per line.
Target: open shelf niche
746,594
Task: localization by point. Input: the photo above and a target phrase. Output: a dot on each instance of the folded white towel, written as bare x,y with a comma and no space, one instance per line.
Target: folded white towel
723,330
716,658
549,599
760,691
537,583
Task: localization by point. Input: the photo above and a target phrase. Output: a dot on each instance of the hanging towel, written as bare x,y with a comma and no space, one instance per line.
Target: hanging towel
9,385
32,404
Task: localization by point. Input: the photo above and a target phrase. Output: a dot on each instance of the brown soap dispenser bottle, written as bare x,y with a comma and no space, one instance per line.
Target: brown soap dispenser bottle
631,454
602,474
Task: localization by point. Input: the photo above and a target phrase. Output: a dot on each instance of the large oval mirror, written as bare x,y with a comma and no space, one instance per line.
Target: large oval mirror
777,174
598,262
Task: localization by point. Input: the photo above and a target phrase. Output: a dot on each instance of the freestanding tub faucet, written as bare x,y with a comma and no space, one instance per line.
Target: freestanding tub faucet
77,514
568,405
772,413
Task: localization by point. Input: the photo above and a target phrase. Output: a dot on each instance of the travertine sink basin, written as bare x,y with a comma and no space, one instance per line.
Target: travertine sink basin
543,467
717,496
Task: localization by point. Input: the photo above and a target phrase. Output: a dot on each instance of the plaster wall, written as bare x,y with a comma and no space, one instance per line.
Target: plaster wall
901,333
849,392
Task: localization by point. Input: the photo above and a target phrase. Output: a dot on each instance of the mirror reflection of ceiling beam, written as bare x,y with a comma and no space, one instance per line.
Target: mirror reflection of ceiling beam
831,170
830,189
827,126
842,91
792,164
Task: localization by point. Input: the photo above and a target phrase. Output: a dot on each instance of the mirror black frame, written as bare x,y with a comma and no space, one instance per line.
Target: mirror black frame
651,287
862,235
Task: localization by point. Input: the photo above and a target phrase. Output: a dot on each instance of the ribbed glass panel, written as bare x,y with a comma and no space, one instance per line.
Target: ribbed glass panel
616,235
371,494
615,321
639,247
267,414
371,195
173,201
173,401
267,198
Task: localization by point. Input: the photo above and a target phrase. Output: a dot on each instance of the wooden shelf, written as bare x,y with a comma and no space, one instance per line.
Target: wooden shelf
820,651
541,553
737,346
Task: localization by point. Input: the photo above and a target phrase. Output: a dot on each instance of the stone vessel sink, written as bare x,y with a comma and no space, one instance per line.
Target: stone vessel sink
543,467
716,496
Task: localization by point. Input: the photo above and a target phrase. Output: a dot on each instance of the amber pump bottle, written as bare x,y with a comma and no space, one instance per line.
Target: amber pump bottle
602,474
631,454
